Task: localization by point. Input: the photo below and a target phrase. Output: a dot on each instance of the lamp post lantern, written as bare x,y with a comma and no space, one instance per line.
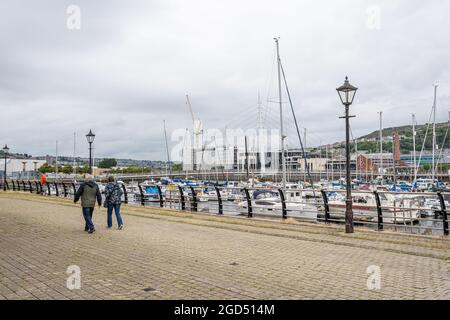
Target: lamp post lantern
347,94
90,139
5,153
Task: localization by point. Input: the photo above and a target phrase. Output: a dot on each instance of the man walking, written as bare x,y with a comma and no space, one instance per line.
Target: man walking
89,193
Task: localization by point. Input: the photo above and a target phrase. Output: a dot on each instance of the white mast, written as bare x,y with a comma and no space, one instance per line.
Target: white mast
167,149
74,152
434,133
326,156
283,160
381,143
357,159
56,161
414,145
306,147
259,119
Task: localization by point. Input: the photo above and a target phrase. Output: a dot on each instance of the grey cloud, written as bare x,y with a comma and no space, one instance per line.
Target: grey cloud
131,64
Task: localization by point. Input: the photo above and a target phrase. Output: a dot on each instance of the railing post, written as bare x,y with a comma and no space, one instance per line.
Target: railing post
74,188
194,200
40,187
48,188
13,185
7,185
326,206
183,203
161,200
56,187
283,203
141,191
444,214
64,189
31,188
24,186
125,194
219,200
249,203
18,185
37,187
379,211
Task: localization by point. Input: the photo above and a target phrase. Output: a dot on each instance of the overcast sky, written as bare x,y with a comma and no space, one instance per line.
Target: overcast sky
131,63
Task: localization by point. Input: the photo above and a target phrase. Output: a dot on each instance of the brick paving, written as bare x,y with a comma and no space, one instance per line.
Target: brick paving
166,255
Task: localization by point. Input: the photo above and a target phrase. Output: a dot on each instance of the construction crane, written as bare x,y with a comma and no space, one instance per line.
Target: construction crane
198,133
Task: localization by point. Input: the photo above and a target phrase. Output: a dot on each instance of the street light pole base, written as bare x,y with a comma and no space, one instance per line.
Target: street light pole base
349,217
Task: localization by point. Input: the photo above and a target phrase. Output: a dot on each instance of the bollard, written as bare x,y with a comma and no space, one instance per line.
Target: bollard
74,189
125,193
64,190
326,206
183,203
283,204
249,203
56,188
161,200
219,200
380,223
141,191
444,214
194,200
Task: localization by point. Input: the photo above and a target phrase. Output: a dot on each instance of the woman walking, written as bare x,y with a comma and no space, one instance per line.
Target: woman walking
113,195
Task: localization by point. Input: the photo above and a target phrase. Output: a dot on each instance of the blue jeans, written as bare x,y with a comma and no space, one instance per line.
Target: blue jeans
117,212
87,214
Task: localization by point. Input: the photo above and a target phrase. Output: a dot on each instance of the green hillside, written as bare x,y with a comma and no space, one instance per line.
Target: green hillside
406,137
406,140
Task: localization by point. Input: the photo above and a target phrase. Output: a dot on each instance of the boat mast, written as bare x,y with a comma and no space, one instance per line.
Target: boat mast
381,144
434,133
414,145
168,166
56,162
283,160
74,153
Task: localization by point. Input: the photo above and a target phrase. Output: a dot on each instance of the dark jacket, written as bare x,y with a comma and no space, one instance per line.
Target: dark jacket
88,192
113,193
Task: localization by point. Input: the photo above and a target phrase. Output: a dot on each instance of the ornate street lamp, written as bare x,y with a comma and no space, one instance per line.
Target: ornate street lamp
90,139
347,93
5,153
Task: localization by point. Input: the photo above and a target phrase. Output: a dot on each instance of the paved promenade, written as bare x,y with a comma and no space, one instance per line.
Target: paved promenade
163,254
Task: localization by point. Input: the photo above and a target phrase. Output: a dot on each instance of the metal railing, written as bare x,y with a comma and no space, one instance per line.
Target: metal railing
418,213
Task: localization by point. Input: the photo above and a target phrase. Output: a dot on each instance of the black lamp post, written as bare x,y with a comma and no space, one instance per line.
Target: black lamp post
347,94
5,153
90,139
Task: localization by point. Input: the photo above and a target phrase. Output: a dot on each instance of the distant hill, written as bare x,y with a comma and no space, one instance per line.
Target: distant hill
370,142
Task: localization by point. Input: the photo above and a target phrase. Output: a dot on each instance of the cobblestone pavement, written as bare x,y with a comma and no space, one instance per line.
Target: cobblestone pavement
166,255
